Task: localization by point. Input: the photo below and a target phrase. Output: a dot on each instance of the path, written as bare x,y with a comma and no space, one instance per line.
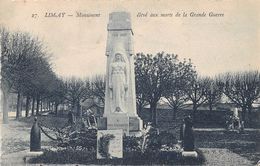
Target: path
222,129
221,157
15,141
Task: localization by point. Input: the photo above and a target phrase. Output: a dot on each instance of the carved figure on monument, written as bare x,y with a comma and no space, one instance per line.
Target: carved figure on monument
118,83
120,97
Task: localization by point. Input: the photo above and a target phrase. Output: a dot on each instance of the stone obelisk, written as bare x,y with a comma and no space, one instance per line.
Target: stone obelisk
120,96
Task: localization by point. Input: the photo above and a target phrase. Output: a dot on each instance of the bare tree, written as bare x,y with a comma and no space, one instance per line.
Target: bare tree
98,85
76,91
242,88
154,76
196,92
176,98
25,67
5,82
213,93
176,93
57,93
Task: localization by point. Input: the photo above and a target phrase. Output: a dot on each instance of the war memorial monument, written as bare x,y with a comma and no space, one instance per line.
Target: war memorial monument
120,96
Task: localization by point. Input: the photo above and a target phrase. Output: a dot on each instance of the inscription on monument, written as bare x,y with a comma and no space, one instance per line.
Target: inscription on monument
118,122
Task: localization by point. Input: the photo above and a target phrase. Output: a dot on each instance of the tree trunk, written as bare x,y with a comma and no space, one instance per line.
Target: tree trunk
174,113
244,114
49,105
210,106
79,112
56,108
5,107
37,105
27,106
194,112
73,108
21,105
18,105
250,115
33,106
53,106
154,113
41,106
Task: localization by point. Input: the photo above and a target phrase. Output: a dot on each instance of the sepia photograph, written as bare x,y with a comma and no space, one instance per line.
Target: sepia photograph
128,82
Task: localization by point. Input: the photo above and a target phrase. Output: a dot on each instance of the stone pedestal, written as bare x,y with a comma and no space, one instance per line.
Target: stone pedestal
129,125
102,123
193,154
30,155
118,122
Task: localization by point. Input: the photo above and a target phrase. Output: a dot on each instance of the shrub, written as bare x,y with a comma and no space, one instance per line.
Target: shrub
85,139
79,146
63,156
132,143
74,156
167,138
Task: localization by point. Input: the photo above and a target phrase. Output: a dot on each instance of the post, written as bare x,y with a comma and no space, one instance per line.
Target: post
188,139
35,139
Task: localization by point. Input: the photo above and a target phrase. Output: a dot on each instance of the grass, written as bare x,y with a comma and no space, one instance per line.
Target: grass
245,144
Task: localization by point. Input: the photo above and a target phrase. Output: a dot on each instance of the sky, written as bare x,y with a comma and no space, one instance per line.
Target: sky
214,44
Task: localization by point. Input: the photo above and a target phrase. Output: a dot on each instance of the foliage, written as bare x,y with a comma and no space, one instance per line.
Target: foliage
132,154
103,145
57,93
76,91
81,140
176,92
167,138
72,156
25,68
97,88
75,136
65,156
156,74
132,143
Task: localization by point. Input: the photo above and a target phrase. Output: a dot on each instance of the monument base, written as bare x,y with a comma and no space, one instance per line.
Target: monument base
131,126
102,123
193,154
31,155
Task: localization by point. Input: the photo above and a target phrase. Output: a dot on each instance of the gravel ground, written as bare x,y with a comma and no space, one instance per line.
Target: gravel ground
16,137
221,157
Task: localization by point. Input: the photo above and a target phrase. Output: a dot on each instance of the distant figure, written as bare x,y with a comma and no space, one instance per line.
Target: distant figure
70,118
188,136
